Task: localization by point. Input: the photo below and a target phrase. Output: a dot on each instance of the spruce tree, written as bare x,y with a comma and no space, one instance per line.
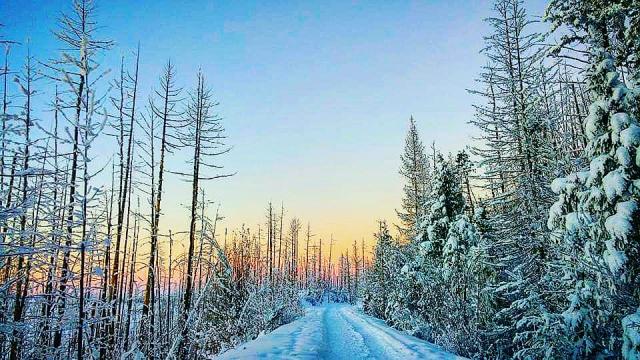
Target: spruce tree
379,276
446,203
415,172
596,217
516,160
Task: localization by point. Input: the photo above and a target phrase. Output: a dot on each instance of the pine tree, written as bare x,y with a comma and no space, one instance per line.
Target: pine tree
441,294
464,169
416,173
596,217
446,203
462,235
380,276
516,157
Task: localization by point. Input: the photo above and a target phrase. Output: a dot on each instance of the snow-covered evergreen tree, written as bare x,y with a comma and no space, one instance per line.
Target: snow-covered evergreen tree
416,174
464,171
596,219
516,159
380,276
436,277
631,336
462,235
446,202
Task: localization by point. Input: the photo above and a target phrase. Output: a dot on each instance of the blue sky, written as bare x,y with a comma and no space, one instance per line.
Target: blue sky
316,96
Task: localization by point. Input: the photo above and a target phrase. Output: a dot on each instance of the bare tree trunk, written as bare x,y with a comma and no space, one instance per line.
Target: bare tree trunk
122,270
355,265
48,289
280,238
5,104
18,305
132,271
186,303
320,260
107,264
202,230
114,289
123,178
168,103
83,238
169,327
65,273
306,264
270,242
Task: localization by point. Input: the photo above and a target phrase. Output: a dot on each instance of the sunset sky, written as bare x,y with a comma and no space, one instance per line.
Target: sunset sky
316,97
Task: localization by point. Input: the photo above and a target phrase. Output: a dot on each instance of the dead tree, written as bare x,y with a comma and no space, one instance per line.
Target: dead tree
80,47
204,133
123,204
25,81
167,113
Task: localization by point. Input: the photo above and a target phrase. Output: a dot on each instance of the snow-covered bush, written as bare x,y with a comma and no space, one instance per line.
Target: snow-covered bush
234,311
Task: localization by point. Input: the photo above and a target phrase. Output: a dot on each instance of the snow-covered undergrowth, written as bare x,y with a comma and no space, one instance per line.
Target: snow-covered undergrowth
235,311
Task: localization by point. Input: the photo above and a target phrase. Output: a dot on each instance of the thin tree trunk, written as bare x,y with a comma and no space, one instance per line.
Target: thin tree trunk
132,271
186,303
280,238
148,297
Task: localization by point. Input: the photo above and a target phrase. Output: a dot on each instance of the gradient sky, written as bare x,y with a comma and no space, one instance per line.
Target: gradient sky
316,96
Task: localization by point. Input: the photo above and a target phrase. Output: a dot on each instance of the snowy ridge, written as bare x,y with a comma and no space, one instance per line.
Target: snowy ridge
337,331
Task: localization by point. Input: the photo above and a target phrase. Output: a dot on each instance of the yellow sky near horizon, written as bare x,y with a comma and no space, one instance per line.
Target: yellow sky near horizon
345,223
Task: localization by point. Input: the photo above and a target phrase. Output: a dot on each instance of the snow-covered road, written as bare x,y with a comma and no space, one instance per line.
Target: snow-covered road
337,331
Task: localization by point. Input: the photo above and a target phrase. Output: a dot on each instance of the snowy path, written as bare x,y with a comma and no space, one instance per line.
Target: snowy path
337,331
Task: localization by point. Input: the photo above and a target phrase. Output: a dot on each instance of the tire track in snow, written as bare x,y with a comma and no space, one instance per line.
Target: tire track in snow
342,340
384,346
337,331
306,345
390,343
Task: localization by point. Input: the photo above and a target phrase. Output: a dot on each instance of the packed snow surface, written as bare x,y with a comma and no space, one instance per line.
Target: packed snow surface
337,331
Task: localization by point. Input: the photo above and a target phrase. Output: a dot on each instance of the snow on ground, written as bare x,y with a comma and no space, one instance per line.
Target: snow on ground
337,331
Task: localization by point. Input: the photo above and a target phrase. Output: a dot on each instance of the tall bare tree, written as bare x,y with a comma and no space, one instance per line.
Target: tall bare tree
204,133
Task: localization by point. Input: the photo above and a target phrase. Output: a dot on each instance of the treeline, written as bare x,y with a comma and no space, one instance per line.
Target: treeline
277,252
93,270
527,245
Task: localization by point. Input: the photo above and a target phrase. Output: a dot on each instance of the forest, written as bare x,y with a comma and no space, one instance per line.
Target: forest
525,244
